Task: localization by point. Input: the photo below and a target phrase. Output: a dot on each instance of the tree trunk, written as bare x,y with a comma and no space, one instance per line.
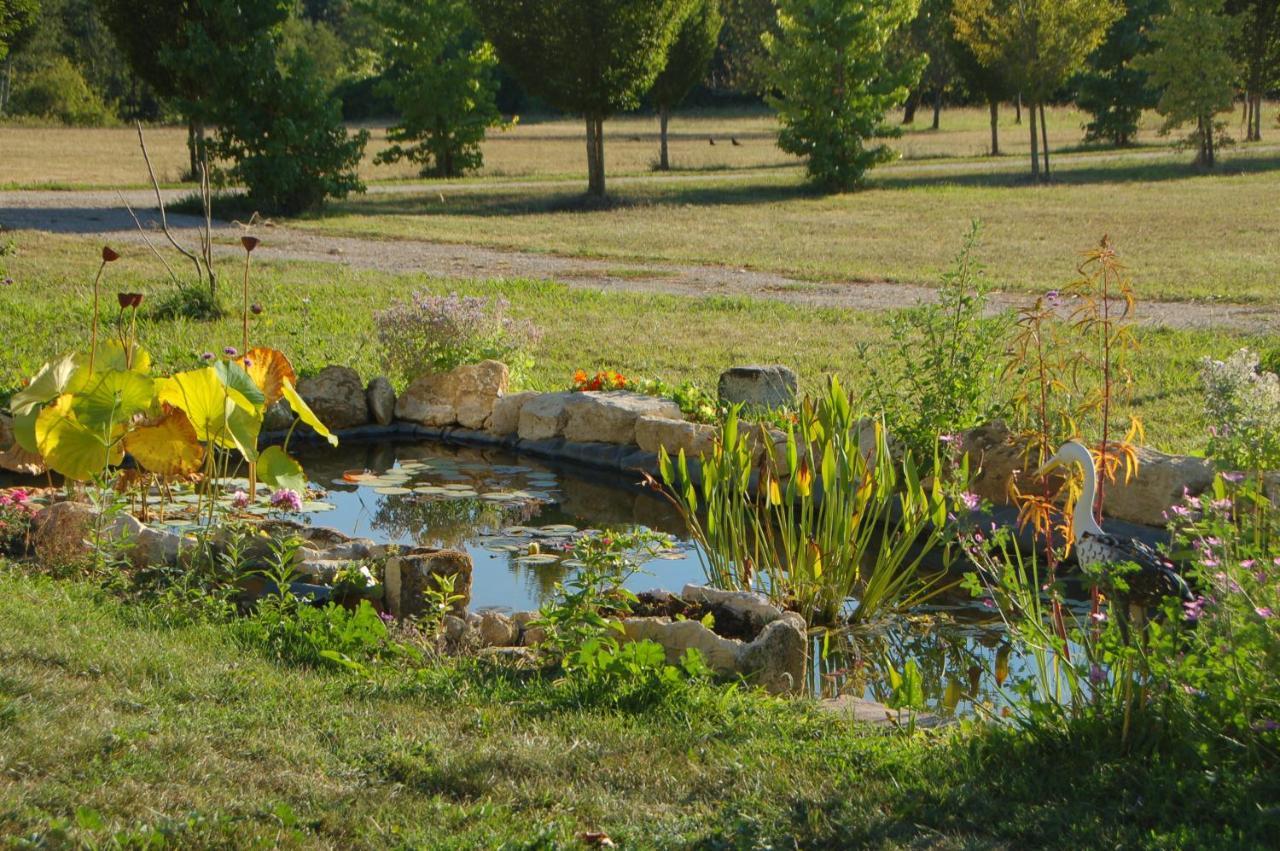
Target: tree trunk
909,109
664,115
1044,137
1257,116
6,84
1017,105
595,156
937,108
1208,140
994,104
1035,147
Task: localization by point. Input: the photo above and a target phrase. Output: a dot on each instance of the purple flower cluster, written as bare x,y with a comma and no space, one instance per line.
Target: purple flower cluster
431,332
287,499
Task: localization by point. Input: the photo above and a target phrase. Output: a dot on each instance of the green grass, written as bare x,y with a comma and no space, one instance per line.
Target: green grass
120,723
321,314
1184,235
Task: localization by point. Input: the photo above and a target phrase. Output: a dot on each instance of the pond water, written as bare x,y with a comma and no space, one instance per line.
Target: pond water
495,505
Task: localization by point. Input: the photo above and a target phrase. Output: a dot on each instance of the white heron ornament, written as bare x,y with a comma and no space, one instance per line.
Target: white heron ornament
1155,578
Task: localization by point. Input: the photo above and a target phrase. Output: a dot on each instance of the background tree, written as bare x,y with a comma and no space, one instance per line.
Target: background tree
1192,65
990,83
1112,88
1039,43
834,83
441,77
589,57
928,35
687,59
1257,44
741,62
17,20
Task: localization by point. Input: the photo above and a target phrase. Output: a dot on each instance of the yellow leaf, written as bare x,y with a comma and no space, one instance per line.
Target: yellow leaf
269,369
1002,664
167,446
69,447
304,412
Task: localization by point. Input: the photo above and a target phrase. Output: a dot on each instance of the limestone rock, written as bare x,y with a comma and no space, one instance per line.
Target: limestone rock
775,660
381,398
610,417
506,412
456,631
408,577
498,630
654,433
530,636
1160,483
750,607
544,416
676,637
64,532
160,547
337,396
759,386
464,396
279,417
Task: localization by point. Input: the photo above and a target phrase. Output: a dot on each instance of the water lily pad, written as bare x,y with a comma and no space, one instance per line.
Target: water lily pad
517,531
559,529
392,490
314,507
461,494
541,558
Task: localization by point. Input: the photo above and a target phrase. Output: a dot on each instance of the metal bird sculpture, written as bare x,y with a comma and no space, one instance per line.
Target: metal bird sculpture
1155,577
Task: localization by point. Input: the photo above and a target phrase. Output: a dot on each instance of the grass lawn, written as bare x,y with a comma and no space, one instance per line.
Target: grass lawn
125,724
536,147
321,314
1184,235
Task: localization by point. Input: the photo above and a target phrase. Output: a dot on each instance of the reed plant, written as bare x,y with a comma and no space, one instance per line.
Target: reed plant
821,517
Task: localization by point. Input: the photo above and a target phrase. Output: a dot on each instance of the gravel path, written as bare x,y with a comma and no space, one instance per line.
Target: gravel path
102,214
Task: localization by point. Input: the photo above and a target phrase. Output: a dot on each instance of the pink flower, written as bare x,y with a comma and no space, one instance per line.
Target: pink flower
1264,612
1193,610
971,500
1098,617
1234,478
287,499
1247,563
240,500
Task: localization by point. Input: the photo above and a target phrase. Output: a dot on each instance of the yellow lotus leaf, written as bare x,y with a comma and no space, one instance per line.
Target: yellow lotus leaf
167,446
304,412
217,412
270,369
69,447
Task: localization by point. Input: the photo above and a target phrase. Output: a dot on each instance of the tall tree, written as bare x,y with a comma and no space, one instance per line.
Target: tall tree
1192,64
441,77
741,62
687,60
589,57
1040,44
17,20
835,82
1257,44
1111,88
988,82
928,35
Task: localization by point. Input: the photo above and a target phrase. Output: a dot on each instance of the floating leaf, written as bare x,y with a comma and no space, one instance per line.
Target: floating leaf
278,470
167,446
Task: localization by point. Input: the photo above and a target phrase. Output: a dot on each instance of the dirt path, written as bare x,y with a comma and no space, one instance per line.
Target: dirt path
102,214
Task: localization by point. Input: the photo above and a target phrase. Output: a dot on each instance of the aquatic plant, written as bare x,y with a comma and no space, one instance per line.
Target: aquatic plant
821,517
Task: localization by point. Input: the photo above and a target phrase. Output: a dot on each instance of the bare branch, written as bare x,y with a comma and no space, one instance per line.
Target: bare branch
148,241
164,222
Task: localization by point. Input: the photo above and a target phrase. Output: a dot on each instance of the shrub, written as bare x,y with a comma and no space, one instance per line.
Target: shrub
1242,403
286,137
431,333
57,90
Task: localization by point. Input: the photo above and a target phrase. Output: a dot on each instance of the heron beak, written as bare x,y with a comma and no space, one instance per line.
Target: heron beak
1048,465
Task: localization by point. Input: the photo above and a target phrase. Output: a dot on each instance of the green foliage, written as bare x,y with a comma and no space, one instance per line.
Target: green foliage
1242,404
16,16
830,516
1193,65
58,91
834,83
187,301
589,57
689,53
1111,88
1038,44
442,79
944,373
285,135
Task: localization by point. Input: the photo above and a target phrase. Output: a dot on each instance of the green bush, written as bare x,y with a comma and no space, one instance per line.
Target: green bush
58,91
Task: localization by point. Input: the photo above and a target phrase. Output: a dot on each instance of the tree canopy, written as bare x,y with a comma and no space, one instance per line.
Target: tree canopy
687,60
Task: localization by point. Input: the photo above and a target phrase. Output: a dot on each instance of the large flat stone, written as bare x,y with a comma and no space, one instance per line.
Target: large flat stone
408,577
505,418
336,394
464,396
759,386
676,436
610,417
544,417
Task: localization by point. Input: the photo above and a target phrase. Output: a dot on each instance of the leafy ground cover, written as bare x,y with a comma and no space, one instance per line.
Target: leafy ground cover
323,314
125,722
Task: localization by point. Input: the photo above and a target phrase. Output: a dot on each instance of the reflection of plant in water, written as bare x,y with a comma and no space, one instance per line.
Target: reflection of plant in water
445,522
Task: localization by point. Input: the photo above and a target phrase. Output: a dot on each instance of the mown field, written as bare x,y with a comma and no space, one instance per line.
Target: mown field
321,314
